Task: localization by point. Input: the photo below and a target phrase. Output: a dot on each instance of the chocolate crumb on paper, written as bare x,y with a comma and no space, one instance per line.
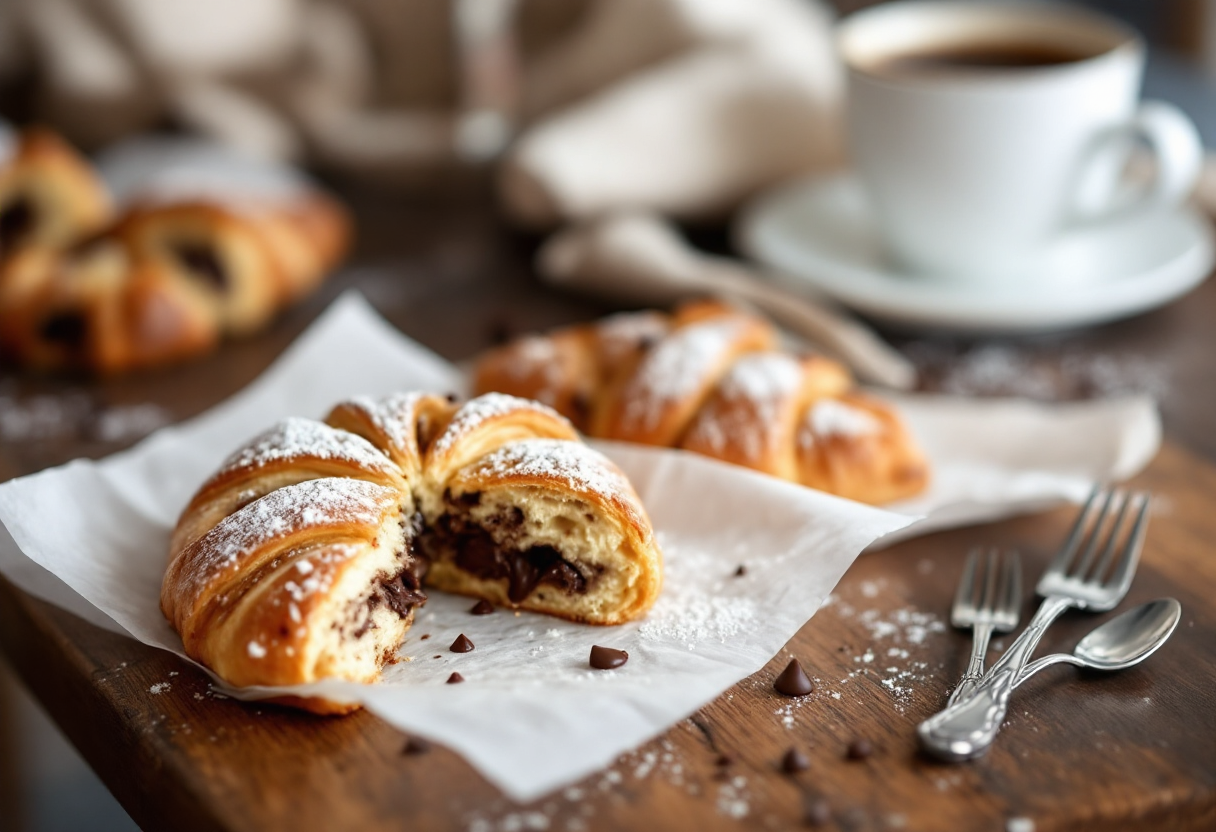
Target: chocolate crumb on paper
607,658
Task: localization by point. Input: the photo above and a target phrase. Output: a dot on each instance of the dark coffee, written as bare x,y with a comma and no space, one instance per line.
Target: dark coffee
982,56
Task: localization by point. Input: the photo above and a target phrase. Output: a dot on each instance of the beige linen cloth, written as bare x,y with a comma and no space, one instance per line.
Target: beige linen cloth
685,106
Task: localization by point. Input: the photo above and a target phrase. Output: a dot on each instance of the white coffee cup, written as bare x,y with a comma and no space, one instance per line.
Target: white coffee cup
975,165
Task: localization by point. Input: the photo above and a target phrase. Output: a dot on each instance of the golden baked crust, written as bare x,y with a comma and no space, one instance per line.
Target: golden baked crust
710,379
49,196
304,556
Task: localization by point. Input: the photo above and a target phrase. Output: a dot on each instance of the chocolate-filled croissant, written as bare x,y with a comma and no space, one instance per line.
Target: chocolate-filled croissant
711,379
85,288
306,555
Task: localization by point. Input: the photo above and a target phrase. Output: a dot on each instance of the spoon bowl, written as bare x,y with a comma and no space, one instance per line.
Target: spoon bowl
1123,641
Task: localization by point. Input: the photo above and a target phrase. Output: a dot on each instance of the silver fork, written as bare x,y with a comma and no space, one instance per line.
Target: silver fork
968,727
987,600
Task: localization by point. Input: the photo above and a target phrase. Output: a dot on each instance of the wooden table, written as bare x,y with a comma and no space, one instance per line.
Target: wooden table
1132,751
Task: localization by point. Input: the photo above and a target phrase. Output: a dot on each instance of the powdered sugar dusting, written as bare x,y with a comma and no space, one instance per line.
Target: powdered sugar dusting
537,355
828,418
296,438
333,501
619,335
393,416
690,610
751,396
677,368
476,412
581,468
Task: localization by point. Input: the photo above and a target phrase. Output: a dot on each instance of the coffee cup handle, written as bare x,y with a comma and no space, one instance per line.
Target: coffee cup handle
1176,148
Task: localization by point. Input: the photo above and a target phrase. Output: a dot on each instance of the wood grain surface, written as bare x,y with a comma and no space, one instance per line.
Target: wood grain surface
1134,750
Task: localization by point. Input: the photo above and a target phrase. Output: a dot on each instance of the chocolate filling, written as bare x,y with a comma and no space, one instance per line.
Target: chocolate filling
203,261
16,221
475,550
66,328
400,593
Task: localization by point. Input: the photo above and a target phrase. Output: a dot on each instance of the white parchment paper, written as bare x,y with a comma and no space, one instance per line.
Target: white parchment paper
532,716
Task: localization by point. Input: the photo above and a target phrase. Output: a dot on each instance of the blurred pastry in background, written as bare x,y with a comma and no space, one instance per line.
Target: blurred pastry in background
188,260
49,195
711,379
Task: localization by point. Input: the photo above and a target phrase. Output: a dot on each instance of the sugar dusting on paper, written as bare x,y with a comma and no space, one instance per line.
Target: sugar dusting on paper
690,612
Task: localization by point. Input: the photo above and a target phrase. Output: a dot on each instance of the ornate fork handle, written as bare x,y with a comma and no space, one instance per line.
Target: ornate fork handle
975,668
968,726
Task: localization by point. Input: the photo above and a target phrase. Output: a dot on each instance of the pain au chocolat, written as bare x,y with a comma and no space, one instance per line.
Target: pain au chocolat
86,286
306,555
711,379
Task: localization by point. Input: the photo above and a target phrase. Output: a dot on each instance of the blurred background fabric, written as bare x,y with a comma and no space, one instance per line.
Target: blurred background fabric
684,107
708,100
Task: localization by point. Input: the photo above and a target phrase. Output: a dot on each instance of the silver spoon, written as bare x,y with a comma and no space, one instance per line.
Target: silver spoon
1121,642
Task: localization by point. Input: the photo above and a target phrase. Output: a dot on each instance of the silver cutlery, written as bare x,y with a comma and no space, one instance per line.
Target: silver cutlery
988,600
1123,641
1079,577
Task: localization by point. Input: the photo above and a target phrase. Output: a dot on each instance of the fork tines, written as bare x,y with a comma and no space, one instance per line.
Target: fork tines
1104,523
996,589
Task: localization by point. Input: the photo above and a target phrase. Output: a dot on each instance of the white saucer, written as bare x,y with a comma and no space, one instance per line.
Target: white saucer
820,234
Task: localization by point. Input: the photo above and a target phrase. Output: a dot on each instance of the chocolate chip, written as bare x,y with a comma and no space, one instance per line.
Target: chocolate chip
66,328
455,679
451,397
818,812
203,261
17,219
425,636
416,745
461,644
436,657
859,749
741,571
793,681
482,607
499,331
606,658
580,407
794,761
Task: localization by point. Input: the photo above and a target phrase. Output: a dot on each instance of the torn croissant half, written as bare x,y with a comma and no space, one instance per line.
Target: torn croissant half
306,555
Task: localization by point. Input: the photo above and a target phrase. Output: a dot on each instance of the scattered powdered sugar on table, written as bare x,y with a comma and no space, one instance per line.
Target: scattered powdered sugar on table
573,809
159,688
75,415
688,612
1047,372
894,657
